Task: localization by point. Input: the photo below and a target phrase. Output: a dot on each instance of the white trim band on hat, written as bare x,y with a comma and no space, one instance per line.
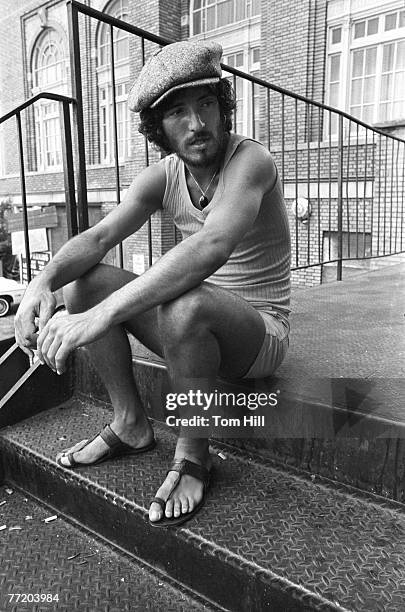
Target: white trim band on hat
200,82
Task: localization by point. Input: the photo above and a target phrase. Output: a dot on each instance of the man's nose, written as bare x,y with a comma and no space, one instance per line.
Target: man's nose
195,121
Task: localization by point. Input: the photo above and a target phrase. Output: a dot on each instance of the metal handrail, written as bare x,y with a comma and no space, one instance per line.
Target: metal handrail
45,94
69,182
160,40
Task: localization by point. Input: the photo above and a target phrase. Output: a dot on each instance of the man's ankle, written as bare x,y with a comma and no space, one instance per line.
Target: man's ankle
130,422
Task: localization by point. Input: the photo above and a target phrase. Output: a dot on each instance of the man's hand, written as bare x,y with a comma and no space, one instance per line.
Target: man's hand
66,332
37,304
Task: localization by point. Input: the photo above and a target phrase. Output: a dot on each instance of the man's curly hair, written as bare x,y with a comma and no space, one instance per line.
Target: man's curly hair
151,118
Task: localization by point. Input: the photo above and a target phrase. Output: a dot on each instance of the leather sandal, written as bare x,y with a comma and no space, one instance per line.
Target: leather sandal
117,448
182,466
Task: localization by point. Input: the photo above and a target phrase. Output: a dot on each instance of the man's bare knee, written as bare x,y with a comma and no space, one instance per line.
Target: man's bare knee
184,315
84,292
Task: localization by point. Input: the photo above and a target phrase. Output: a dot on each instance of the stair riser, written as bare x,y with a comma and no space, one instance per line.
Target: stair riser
43,390
13,367
127,528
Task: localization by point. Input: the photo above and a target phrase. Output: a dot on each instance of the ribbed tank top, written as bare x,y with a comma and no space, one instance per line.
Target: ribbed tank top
258,269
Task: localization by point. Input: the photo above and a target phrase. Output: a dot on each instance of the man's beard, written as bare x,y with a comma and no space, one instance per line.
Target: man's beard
205,158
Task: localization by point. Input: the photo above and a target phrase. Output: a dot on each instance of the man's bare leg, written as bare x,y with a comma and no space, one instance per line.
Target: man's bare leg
204,332
112,358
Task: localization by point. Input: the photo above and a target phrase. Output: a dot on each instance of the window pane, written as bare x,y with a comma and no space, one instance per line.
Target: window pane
336,35
369,89
240,10
358,63
383,114
356,111
372,26
334,94
121,49
197,23
225,13
197,4
334,67
400,85
390,21
401,23
388,58
355,97
239,60
256,55
368,114
210,18
400,55
359,29
399,110
385,87
256,8
371,55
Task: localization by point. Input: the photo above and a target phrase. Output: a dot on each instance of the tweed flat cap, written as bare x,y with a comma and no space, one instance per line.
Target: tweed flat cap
176,66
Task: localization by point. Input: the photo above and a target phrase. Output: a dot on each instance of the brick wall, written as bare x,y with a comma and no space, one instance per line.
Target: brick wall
292,56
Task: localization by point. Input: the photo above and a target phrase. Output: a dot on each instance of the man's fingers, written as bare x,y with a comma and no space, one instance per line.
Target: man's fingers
47,309
45,339
60,359
51,352
27,343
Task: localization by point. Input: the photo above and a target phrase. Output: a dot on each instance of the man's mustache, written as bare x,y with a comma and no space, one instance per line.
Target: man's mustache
202,137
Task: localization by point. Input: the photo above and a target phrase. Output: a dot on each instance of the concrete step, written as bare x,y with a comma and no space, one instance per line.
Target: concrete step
57,566
266,539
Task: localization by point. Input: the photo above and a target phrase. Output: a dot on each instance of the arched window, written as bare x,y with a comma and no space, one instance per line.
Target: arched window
118,9
49,64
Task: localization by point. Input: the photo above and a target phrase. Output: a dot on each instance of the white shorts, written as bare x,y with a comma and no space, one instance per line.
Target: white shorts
275,345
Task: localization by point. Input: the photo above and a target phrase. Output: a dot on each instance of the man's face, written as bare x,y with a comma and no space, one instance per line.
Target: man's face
192,125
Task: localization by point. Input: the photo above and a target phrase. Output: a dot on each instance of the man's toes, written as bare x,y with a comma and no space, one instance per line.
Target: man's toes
64,460
169,508
177,508
184,504
155,512
191,504
73,449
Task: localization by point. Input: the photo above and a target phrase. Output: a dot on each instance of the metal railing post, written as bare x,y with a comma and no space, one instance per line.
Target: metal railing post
115,130
78,122
24,196
149,224
68,172
340,200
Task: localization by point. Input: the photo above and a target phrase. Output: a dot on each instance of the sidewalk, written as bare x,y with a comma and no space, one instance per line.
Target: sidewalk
352,330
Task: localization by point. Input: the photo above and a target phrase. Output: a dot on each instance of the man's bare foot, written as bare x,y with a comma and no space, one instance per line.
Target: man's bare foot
137,436
189,491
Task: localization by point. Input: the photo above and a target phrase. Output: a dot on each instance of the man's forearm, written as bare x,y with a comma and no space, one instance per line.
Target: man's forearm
181,269
77,256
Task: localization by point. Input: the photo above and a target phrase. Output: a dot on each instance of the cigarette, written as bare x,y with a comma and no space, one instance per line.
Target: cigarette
50,518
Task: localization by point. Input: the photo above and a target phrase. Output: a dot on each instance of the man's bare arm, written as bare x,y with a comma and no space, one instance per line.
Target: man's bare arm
84,251
178,271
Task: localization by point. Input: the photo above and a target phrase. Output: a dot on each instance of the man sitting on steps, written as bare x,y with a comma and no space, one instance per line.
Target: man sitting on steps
215,304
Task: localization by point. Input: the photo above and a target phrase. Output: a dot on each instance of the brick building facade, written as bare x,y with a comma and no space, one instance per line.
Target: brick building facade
310,47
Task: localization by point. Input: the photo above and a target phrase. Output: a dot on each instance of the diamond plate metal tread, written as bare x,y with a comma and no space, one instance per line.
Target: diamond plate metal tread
35,559
325,548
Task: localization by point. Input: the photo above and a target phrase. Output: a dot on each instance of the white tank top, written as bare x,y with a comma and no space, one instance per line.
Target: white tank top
258,269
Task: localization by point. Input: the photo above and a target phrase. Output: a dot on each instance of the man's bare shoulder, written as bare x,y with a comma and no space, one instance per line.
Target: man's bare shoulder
253,161
150,184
